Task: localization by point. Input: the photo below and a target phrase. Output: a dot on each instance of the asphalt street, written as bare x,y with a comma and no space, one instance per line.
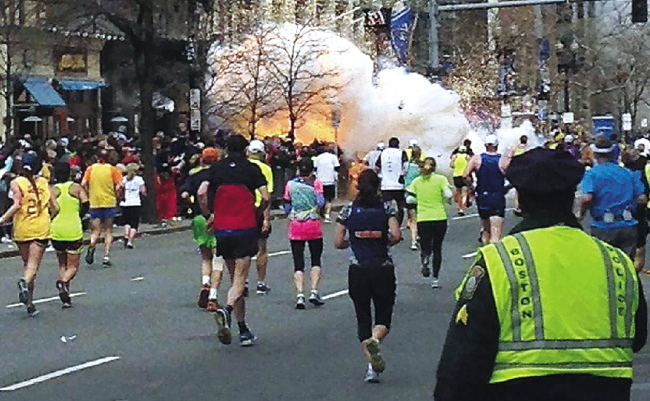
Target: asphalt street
135,332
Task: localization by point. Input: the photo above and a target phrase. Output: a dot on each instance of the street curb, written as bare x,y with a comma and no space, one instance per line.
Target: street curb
161,231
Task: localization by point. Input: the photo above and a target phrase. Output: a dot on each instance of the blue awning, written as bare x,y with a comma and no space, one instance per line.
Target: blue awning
79,85
42,92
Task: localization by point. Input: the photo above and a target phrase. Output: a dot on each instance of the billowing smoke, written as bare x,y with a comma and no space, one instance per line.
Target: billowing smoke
373,108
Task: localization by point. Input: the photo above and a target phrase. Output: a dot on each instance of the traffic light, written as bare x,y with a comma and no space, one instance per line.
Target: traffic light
639,10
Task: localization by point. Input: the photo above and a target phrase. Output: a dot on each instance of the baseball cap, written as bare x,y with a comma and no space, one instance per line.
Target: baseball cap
462,149
31,162
381,146
209,154
491,140
413,142
256,146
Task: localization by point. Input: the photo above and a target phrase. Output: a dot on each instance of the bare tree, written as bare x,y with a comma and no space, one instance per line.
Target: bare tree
241,84
297,62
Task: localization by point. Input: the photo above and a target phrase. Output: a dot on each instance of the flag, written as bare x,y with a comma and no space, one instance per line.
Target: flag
400,26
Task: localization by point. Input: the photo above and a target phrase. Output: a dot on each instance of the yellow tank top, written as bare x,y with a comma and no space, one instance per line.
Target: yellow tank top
460,163
32,222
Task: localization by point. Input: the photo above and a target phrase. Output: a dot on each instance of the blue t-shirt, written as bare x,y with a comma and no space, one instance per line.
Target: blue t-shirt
614,189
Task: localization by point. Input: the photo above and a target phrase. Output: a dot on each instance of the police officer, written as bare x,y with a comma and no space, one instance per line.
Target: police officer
534,321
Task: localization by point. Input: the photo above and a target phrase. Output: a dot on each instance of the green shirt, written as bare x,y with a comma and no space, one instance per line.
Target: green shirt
430,194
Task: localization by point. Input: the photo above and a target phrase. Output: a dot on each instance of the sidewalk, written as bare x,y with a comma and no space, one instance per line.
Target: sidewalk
10,250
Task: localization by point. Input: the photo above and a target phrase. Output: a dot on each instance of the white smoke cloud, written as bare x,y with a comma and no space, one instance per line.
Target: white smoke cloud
376,108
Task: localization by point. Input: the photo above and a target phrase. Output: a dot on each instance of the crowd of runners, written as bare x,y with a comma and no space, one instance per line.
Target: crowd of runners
228,193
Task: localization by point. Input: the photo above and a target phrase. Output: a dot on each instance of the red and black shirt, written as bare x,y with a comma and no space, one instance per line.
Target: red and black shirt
233,181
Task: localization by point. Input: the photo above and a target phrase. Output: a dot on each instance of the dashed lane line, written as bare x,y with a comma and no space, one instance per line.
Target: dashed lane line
40,301
59,373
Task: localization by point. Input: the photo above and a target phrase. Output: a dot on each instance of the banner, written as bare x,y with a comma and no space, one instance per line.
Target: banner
400,27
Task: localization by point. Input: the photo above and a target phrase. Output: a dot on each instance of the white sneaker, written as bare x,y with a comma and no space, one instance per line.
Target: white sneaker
371,375
414,246
5,240
435,283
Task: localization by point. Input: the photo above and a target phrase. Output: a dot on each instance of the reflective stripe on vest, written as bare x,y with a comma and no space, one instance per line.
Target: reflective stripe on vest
535,276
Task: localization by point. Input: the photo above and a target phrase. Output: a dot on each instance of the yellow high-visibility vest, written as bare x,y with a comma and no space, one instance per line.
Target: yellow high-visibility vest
566,304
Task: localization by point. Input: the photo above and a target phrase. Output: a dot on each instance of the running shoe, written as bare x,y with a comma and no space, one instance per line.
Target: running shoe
516,212
316,300
377,362
371,376
129,245
203,297
223,320
461,213
263,289
23,291
247,339
212,306
435,283
32,311
106,262
64,296
414,246
426,272
66,305
90,256
300,302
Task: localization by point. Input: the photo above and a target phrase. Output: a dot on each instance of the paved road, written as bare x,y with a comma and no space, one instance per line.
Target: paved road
167,349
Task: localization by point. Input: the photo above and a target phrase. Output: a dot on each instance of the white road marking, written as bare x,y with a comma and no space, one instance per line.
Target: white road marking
469,255
40,301
59,373
336,294
137,279
275,254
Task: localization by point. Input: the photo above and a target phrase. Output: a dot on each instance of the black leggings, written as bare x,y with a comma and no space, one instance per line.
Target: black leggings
432,233
298,251
376,285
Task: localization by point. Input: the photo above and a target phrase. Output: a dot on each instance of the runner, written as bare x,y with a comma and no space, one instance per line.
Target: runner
459,162
373,227
327,167
411,172
103,183
303,198
134,190
391,168
211,268
233,181
429,192
67,231
257,155
490,192
33,205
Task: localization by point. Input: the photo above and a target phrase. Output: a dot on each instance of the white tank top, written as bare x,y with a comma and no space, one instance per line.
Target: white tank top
391,169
